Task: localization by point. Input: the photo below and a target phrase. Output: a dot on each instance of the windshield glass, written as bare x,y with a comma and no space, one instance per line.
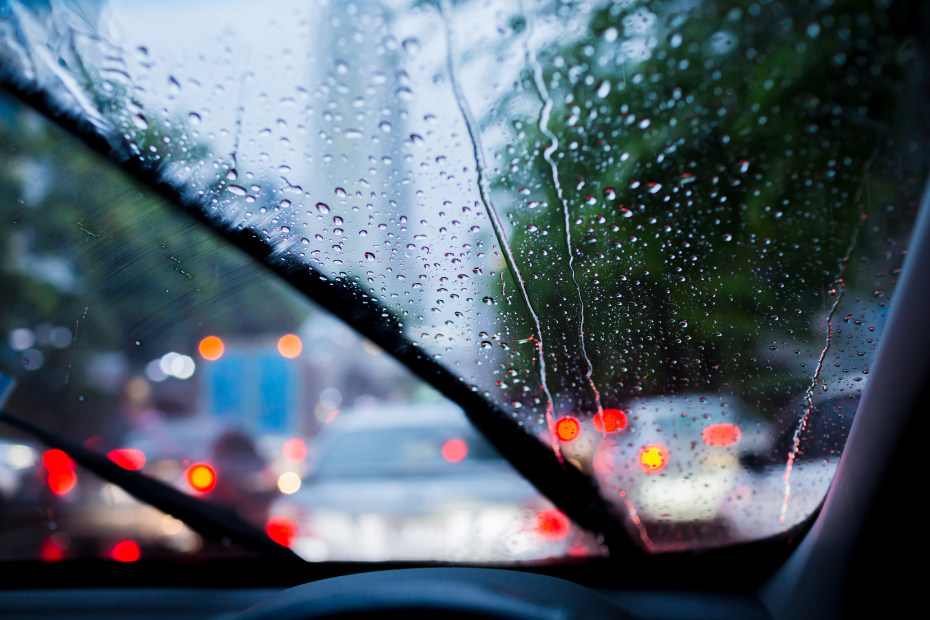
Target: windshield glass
661,237
137,332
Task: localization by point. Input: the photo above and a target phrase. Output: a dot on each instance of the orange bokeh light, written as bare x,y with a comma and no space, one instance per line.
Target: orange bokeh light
201,477
211,348
611,421
290,346
567,428
721,434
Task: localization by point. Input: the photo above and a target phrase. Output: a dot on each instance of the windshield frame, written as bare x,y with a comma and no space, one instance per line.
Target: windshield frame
742,567
571,490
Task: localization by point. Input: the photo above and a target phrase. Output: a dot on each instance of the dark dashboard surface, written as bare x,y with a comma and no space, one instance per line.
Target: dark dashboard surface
200,603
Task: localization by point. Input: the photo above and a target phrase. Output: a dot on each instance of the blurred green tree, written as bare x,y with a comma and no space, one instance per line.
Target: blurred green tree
715,163
86,248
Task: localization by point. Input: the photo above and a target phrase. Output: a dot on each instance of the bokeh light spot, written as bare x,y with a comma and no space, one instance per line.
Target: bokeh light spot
294,450
128,458
610,421
551,525
653,457
281,530
211,348
721,434
567,428
289,482
201,477
290,346
125,551
454,450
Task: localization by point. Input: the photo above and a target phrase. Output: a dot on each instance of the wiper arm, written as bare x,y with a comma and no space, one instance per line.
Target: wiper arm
205,518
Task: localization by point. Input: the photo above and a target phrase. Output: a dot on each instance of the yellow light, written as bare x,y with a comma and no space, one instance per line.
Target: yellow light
290,346
288,482
211,348
653,457
201,477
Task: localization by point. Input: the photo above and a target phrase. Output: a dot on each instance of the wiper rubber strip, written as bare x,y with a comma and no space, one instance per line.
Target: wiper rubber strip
205,518
573,491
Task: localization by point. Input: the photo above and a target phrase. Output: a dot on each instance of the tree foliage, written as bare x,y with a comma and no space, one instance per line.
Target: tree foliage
717,163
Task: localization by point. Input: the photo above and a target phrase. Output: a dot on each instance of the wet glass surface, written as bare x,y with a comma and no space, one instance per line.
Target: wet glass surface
662,236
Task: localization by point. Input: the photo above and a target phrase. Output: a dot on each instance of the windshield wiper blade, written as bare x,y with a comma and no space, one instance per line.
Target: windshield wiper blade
205,518
571,490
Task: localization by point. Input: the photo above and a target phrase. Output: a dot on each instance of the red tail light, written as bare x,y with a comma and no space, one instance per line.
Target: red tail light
61,476
125,551
52,549
721,434
610,421
55,459
128,458
61,481
551,525
281,530
454,450
201,477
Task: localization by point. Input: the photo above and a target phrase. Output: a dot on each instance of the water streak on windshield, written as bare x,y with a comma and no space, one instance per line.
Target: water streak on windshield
544,117
537,338
837,290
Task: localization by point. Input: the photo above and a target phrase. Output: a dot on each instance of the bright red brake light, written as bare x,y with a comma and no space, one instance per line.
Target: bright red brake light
281,530
128,458
610,421
61,476
201,477
721,434
551,525
61,481
56,459
125,551
454,450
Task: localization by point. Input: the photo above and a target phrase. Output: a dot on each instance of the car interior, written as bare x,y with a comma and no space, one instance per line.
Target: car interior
852,557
